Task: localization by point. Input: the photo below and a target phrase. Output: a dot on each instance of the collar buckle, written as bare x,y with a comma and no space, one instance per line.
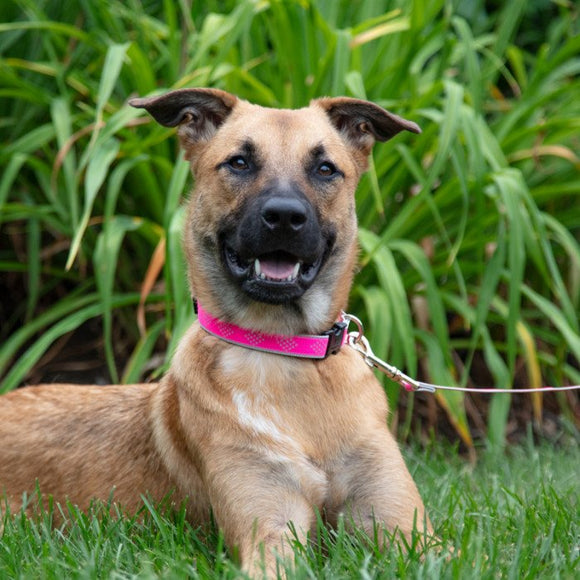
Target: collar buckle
335,337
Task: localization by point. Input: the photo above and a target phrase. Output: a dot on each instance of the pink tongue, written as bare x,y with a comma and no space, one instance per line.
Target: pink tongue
277,269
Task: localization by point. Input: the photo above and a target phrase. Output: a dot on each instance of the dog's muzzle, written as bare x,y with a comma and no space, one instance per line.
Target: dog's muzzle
277,247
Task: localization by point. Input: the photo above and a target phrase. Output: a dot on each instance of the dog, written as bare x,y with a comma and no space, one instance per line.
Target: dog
254,438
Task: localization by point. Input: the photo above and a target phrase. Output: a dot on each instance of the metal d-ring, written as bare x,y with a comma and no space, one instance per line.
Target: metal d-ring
359,325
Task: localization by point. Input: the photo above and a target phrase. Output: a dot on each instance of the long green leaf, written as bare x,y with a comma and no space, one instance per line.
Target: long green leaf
105,263
390,279
103,157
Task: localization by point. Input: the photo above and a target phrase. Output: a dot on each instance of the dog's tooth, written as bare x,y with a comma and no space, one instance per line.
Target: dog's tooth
296,270
258,268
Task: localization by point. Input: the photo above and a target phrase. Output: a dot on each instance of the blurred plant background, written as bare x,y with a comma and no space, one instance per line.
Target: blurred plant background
470,232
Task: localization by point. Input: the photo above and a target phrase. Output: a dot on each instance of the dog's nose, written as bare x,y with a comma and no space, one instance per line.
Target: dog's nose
284,213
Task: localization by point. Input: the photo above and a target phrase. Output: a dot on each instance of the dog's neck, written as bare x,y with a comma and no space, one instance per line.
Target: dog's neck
302,346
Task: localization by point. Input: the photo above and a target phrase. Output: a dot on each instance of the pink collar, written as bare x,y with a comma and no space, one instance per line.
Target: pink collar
304,346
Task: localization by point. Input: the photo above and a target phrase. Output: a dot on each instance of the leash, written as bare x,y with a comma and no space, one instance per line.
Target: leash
359,342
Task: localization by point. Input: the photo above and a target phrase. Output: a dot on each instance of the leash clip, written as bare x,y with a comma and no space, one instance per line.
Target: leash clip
359,342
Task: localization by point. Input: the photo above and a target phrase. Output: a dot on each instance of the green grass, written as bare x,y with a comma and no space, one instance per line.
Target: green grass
513,516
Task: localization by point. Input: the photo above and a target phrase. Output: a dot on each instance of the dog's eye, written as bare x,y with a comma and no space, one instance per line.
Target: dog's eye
326,169
238,163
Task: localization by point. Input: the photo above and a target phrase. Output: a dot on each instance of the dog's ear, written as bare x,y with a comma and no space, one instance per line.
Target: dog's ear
362,122
198,112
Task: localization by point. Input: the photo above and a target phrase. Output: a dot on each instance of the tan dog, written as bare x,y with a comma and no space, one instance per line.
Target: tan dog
259,439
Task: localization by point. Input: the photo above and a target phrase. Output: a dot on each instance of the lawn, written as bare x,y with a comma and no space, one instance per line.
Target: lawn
513,515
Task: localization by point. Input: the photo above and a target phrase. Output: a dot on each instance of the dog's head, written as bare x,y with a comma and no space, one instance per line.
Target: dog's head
271,232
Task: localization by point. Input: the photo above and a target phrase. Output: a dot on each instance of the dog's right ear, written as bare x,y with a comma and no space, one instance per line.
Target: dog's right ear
362,123
198,112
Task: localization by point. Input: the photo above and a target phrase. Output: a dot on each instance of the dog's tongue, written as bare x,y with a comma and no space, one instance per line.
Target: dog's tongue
277,268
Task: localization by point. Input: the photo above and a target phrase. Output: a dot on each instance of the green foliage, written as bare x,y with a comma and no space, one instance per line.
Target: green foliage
469,232
513,517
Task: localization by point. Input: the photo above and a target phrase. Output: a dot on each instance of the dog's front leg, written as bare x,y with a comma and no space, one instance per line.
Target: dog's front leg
375,491
261,509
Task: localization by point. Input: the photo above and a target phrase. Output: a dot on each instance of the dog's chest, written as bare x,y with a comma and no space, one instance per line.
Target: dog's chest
294,420
290,405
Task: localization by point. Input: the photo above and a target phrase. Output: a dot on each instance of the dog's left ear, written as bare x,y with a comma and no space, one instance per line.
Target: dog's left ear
198,112
362,122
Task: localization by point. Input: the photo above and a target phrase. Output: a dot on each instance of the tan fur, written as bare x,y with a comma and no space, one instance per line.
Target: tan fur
262,440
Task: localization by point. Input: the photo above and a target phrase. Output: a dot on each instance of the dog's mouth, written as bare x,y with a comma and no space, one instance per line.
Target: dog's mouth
274,277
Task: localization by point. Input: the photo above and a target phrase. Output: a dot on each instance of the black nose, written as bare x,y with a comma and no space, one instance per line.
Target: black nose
284,214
